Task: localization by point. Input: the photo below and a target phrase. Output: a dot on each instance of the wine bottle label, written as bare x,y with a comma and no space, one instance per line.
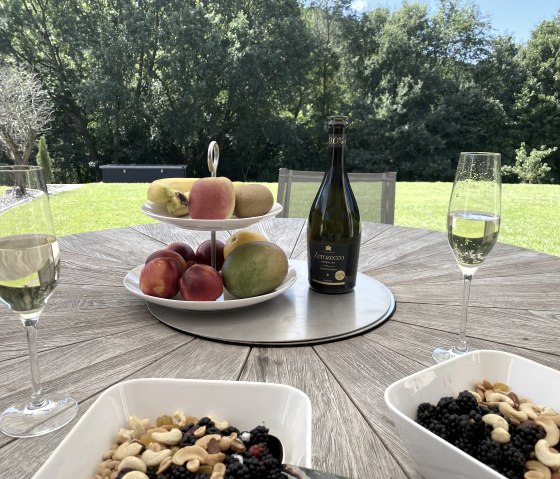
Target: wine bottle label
328,262
337,141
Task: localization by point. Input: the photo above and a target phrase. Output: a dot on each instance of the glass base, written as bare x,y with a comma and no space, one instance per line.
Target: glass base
22,420
441,355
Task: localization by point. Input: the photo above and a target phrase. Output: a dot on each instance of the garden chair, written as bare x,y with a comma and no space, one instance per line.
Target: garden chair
374,192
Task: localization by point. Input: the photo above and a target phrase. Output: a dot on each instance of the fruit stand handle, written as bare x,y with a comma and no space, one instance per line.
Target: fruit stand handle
213,157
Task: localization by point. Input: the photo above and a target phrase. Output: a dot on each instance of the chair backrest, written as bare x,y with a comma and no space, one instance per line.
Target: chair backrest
374,192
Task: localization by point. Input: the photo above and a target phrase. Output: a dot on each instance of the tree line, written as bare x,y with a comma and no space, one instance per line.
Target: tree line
152,81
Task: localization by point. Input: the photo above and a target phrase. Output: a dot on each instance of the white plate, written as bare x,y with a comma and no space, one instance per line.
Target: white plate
159,212
285,410
225,301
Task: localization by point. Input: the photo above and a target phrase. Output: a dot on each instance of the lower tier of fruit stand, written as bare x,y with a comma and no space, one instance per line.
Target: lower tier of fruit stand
299,316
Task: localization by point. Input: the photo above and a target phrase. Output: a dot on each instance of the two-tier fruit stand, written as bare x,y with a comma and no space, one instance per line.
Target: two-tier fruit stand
291,315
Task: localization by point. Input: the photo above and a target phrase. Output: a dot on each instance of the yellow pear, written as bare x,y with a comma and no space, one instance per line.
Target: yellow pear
241,237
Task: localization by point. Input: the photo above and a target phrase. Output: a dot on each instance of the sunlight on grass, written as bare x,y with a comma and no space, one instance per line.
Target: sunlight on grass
530,216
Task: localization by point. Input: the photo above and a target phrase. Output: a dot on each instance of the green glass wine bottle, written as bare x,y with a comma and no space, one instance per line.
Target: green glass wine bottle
334,229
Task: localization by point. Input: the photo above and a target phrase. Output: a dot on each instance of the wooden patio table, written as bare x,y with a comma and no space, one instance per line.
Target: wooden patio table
94,333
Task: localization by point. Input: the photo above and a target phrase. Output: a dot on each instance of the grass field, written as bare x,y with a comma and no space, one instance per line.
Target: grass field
530,213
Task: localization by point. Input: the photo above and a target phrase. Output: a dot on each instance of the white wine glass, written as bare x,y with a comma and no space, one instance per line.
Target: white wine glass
473,223
29,268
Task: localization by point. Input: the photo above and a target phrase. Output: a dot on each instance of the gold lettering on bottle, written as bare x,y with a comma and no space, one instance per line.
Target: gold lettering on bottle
337,140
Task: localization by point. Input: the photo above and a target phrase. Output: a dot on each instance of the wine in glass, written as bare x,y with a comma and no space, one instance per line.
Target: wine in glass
29,268
473,223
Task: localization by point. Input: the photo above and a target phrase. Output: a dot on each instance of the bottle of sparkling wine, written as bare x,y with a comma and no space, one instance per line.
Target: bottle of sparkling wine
334,231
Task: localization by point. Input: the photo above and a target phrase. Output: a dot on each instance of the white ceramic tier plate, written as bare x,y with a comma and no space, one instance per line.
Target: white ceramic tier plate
225,301
285,410
159,212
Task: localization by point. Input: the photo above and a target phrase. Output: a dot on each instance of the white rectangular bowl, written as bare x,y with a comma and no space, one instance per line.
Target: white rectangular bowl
435,457
285,410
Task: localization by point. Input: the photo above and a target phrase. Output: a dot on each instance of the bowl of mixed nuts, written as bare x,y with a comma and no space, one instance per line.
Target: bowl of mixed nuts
486,414
160,428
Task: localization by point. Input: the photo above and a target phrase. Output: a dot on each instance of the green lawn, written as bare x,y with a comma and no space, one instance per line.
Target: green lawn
530,213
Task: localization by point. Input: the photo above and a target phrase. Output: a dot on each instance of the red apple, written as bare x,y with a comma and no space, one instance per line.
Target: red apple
212,198
201,283
167,253
185,251
204,254
160,277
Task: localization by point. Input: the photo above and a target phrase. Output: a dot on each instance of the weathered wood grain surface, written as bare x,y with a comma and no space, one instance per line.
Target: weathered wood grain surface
94,333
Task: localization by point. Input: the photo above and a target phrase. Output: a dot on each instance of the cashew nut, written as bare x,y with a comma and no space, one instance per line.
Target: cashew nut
213,459
188,453
492,396
220,424
168,438
511,413
165,464
541,469
477,396
127,449
500,435
533,475
133,420
201,431
154,458
551,429
132,462
237,445
193,465
204,440
219,471
124,435
225,442
496,421
528,408
135,475
546,456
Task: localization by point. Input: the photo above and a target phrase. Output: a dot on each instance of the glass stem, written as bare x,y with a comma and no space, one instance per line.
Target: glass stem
29,321
462,345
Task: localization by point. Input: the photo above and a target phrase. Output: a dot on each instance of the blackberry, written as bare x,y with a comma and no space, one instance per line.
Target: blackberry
466,403
426,413
188,439
205,421
212,430
228,430
525,436
259,435
180,472
187,427
488,452
151,473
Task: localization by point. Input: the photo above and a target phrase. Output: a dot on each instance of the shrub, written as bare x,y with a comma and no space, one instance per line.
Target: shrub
530,168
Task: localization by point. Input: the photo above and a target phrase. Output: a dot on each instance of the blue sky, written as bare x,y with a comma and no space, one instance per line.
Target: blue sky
516,17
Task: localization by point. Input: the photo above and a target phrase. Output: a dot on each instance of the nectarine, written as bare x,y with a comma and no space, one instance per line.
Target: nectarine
160,277
201,283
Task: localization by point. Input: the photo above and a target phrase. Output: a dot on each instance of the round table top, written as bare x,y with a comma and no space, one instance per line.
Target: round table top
94,333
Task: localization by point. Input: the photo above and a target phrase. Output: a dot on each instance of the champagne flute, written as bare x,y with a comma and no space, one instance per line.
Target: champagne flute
29,267
473,223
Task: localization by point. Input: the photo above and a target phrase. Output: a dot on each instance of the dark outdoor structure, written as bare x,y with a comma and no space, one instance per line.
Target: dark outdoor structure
140,173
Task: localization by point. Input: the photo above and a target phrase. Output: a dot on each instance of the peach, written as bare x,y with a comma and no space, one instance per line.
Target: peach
201,283
185,251
212,198
160,277
167,253
204,252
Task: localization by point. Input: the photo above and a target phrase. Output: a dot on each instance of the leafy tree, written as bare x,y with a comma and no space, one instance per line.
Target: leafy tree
538,103
25,111
529,167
